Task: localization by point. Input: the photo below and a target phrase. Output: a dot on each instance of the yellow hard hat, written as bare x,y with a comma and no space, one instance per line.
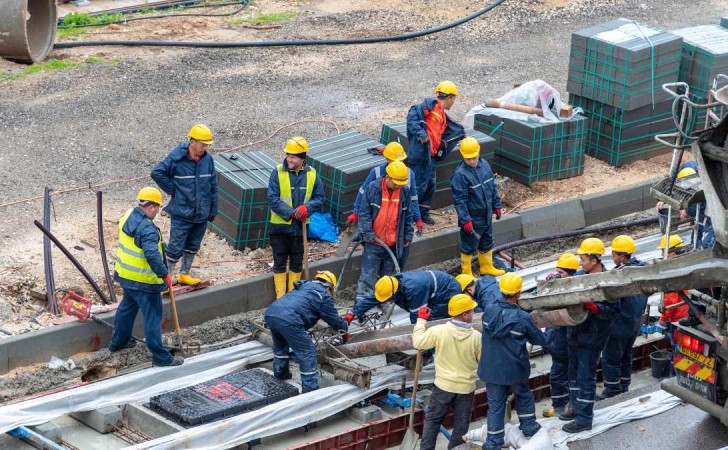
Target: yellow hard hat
394,152
675,242
296,146
568,261
201,133
459,304
398,172
624,244
447,88
591,246
469,148
511,283
385,288
150,194
465,280
686,172
327,277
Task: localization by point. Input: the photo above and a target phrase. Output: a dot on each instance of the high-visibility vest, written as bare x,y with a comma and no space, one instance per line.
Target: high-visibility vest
130,261
284,185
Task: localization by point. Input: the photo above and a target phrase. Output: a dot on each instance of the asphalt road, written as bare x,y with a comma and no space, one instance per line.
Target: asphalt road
684,427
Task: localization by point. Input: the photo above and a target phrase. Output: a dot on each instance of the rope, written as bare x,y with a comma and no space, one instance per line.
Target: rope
279,129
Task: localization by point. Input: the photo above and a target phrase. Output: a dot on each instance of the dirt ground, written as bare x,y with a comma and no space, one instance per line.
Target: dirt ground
124,108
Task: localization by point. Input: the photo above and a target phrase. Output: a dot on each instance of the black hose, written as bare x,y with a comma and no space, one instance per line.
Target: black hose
47,257
357,243
102,244
594,229
284,43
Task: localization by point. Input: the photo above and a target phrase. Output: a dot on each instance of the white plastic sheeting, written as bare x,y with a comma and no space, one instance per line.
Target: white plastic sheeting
294,412
647,405
133,387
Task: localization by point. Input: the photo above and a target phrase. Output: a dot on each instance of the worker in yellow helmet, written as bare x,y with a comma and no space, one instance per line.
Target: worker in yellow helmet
188,175
476,200
142,272
431,135
295,192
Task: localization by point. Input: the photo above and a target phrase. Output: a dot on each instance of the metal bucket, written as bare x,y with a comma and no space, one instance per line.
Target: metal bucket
27,29
674,221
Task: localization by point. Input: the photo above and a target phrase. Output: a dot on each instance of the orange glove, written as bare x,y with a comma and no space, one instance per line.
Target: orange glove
300,213
352,219
168,280
498,212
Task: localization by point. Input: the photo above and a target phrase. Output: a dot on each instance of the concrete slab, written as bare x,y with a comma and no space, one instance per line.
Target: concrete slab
49,430
148,421
556,217
102,420
508,229
365,414
601,206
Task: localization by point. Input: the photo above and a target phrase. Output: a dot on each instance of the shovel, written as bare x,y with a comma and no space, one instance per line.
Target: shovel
177,330
411,438
346,238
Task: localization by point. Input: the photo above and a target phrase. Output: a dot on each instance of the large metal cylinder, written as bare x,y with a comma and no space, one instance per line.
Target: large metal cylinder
27,29
570,316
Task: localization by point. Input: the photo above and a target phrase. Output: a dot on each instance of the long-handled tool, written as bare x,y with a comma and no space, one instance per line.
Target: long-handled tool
177,330
304,228
411,438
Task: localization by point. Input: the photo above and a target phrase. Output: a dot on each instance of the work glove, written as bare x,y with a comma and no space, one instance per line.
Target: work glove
423,313
300,213
498,212
211,217
420,227
424,139
406,243
168,280
348,317
345,338
592,308
352,219
468,226
553,276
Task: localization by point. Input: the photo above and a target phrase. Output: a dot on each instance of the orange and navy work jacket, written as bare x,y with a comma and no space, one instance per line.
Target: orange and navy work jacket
385,225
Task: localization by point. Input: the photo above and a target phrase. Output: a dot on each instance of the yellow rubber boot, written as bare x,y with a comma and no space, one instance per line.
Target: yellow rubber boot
466,264
292,277
485,261
185,278
280,282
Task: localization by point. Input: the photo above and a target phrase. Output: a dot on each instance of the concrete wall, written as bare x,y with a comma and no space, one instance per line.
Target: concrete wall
257,292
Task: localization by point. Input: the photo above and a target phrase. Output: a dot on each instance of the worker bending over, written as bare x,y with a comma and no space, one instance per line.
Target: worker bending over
457,353
431,134
586,341
484,290
188,175
294,193
566,266
504,363
142,272
385,219
476,202
290,317
617,355
676,310
392,152
410,291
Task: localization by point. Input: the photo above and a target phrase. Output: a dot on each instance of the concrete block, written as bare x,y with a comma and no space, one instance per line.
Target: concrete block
553,218
149,421
508,229
603,206
365,414
48,430
101,420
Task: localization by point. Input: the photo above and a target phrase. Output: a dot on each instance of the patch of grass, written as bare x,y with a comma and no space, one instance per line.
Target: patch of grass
75,20
51,64
68,32
263,19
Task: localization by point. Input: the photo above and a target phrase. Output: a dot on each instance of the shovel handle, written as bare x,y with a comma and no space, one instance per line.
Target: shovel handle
305,248
418,367
175,318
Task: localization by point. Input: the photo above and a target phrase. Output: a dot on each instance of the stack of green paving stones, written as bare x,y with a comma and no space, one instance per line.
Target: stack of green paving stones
724,22
616,73
243,211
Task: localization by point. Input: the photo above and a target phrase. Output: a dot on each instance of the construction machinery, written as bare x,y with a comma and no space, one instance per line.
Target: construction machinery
700,356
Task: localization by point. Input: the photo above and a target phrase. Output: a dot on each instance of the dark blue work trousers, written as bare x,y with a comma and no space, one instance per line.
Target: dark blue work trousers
559,381
184,238
497,396
375,263
469,243
617,365
287,336
426,178
150,304
583,382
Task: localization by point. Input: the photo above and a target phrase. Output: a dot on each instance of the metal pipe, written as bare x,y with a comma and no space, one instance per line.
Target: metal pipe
74,261
35,439
571,316
670,385
705,297
28,30
47,256
102,244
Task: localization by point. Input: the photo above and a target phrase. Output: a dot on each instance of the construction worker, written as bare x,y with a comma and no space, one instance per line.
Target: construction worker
586,341
410,290
504,363
290,317
566,266
386,219
188,175
392,152
142,272
672,312
431,135
294,193
617,355
476,201
457,353
484,289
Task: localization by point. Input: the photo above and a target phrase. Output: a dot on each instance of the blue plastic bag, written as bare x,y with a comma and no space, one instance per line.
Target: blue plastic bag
322,227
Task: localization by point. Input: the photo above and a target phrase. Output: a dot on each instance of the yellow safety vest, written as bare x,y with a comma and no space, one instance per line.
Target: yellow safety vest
130,261
284,184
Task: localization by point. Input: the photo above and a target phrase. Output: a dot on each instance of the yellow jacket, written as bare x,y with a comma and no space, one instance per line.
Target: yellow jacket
457,353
